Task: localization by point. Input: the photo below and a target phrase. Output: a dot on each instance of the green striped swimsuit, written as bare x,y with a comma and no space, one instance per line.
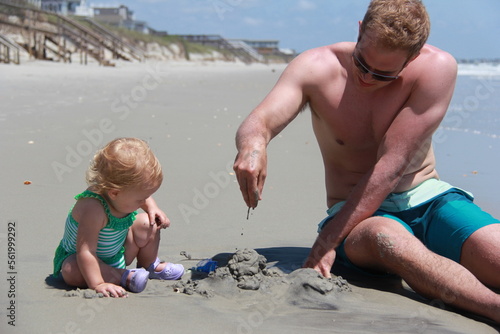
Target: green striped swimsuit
111,239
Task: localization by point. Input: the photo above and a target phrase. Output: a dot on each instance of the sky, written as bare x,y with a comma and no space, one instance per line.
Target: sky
468,29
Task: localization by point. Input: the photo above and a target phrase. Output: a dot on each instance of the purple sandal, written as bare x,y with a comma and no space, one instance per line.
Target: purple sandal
170,272
138,280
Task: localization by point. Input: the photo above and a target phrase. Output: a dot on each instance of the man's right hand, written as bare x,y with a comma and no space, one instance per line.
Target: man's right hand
251,170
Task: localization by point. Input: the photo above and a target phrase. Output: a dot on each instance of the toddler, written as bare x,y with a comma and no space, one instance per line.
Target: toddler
104,233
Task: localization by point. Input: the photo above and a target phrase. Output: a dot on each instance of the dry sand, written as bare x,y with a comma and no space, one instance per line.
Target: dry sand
54,116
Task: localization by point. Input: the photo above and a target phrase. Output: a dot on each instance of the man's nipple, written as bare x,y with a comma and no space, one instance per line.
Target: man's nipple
339,141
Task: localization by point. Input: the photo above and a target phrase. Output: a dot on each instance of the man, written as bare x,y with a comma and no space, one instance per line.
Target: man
375,105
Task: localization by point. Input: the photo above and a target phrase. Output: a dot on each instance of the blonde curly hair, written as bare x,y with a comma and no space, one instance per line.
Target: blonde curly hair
398,24
124,163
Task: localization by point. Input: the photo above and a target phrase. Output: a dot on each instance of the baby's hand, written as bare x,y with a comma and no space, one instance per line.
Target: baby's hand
111,290
162,222
155,214
158,217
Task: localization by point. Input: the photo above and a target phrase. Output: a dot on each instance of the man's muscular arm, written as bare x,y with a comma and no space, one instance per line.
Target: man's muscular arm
269,118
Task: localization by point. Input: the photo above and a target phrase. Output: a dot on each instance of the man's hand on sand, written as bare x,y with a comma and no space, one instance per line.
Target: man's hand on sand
321,260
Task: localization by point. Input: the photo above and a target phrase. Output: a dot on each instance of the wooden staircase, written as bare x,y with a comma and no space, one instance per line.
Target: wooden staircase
9,51
218,42
56,37
120,48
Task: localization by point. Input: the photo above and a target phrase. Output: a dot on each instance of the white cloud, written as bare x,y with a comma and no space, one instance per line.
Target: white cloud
306,5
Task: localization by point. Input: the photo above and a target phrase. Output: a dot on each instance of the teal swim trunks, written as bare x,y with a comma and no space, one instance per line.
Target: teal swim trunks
439,215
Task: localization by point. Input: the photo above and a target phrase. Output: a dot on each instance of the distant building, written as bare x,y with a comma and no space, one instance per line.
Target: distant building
288,52
120,17
36,3
264,47
117,16
64,7
271,48
84,10
157,32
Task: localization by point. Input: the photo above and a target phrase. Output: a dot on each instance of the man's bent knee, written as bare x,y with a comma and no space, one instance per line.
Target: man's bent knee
376,241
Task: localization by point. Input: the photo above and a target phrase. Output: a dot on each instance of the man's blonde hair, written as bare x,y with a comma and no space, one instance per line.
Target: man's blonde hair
398,24
124,163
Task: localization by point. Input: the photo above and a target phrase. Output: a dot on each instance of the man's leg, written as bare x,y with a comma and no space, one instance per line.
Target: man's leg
384,244
481,255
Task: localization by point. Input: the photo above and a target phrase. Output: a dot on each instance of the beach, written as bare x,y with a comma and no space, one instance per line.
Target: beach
53,117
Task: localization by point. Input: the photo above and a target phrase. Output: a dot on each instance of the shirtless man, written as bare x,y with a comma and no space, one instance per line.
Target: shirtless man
375,105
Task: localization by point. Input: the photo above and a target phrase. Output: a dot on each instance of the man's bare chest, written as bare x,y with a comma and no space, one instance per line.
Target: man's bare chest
354,120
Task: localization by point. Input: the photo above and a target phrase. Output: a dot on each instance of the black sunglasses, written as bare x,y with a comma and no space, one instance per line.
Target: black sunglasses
364,69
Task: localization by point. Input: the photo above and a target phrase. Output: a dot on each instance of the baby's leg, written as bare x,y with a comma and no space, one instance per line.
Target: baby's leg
72,275
143,241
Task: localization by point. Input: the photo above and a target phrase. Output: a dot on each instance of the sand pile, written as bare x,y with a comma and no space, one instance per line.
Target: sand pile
247,270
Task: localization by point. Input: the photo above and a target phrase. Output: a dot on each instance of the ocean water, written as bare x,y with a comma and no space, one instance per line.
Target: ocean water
467,143
475,106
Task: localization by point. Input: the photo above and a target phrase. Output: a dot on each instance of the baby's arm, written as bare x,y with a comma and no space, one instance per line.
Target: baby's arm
156,215
92,219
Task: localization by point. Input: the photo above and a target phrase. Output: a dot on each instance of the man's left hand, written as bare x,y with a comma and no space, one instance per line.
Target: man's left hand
321,259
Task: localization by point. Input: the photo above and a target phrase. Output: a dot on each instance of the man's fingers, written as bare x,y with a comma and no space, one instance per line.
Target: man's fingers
244,191
254,194
326,273
256,198
250,186
260,185
249,192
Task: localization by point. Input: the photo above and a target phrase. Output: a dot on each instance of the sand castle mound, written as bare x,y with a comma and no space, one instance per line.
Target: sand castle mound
247,272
